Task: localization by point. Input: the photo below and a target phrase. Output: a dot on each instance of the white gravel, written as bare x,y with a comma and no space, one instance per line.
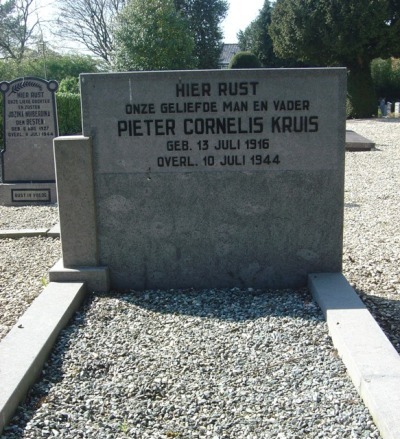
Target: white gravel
220,364
25,262
28,217
372,224
195,364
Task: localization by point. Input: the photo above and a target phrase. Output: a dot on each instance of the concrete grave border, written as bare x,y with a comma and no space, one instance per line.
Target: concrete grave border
372,362
25,349
54,232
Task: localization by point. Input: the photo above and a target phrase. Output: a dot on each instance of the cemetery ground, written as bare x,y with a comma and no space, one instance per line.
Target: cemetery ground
214,364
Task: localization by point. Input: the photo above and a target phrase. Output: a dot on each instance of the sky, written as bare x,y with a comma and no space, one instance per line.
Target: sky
240,15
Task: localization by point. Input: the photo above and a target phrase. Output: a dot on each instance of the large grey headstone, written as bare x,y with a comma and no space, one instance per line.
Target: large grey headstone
216,178
30,125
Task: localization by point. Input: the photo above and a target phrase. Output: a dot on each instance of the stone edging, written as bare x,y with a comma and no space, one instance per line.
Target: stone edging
372,362
24,350
54,232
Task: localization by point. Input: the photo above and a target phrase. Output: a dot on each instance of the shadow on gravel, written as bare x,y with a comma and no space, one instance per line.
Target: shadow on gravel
226,304
231,305
387,314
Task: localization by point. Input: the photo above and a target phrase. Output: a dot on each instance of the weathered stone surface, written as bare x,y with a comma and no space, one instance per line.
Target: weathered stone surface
73,156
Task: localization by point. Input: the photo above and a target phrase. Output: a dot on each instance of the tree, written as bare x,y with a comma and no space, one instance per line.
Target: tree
204,19
90,22
60,67
256,39
17,27
152,35
341,32
55,66
386,77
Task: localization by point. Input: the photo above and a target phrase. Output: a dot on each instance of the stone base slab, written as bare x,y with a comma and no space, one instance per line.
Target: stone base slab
27,194
24,350
371,360
356,142
95,278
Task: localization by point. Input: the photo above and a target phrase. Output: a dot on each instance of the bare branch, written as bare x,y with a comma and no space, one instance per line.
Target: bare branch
16,27
89,22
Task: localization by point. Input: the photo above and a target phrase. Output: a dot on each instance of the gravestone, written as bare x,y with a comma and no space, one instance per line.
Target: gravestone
397,109
29,127
204,179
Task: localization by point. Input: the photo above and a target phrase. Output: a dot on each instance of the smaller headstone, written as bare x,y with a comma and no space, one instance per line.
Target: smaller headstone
30,125
388,108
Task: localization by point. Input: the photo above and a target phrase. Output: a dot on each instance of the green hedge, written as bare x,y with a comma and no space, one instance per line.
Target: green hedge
386,76
69,113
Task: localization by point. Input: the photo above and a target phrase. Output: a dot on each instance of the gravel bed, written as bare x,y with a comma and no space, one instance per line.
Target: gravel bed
195,364
218,364
372,223
28,217
24,265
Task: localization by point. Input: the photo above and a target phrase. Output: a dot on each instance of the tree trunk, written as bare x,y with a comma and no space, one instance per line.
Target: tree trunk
361,97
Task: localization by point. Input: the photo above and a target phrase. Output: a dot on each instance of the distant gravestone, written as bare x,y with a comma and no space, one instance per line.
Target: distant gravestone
204,179
397,109
30,125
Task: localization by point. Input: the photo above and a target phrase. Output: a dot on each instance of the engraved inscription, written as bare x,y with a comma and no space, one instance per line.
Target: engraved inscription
230,135
259,120
25,195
